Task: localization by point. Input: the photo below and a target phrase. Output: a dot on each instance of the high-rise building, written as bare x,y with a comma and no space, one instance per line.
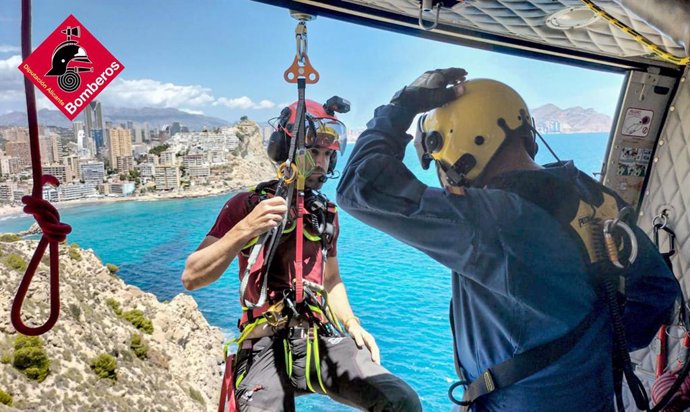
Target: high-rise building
59,171
51,149
71,168
167,177
92,172
93,117
20,151
168,157
125,163
175,128
120,145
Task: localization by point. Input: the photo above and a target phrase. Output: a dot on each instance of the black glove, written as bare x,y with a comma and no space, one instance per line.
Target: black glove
430,90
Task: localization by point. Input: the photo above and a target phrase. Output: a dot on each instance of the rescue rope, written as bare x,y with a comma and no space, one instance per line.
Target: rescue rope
663,54
45,214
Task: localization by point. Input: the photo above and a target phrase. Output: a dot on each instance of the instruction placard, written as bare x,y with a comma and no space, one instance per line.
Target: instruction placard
637,122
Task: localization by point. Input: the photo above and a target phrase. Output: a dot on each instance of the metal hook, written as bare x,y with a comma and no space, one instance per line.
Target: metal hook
611,246
422,9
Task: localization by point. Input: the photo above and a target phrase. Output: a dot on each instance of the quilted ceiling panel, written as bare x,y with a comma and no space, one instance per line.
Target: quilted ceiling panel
527,20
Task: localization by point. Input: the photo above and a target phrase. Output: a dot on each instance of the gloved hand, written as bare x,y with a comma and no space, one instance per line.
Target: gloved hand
430,90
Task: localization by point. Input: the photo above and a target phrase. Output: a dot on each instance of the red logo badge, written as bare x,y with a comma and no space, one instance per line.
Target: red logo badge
71,67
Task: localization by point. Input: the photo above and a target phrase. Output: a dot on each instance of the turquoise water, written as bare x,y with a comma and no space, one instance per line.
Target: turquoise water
400,294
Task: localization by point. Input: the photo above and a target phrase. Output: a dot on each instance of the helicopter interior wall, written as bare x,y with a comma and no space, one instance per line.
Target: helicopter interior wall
668,189
671,17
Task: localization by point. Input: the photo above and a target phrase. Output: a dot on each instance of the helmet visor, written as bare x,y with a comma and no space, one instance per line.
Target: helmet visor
326,133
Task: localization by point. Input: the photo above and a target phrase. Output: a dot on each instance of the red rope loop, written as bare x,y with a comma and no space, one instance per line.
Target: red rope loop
54,232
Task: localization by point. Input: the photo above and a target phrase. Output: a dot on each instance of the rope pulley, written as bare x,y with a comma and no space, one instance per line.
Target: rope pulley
301,67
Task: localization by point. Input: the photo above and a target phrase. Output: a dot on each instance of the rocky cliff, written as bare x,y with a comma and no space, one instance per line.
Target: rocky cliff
175,367
571,120
248,164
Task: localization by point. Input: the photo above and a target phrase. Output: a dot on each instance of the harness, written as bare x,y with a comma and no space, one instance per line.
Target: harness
283,306
601,231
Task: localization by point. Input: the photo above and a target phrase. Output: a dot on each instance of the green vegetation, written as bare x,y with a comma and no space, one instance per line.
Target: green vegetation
139,320
74,252
5,398
159,149
30,358
114,305
74,310
138,346
5,358
16,262
9,237
112,268
104,366
196,395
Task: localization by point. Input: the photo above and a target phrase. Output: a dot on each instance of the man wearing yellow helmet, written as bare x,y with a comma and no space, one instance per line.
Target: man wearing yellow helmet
531,330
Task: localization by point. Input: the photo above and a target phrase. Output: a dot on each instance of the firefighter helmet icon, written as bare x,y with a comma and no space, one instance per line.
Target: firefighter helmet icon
68,61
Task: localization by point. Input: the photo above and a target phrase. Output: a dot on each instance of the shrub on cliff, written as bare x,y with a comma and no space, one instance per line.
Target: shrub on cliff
114,305
196,395
5,398
73,252
30,358
138,346
112,268
16,262
104,366
9,237
139,320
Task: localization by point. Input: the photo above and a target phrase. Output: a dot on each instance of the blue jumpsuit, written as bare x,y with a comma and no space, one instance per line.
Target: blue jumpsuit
518,279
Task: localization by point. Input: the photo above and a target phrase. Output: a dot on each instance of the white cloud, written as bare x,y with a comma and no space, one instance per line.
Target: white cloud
6,48
190,111
11,79
243,102
152,93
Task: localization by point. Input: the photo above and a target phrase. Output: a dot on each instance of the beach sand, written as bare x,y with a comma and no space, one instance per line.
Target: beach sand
9,210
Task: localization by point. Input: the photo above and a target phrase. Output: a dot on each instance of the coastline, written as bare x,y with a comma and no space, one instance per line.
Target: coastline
8,211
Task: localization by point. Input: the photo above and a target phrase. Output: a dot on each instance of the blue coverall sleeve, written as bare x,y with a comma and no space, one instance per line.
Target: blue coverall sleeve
378,189
651,293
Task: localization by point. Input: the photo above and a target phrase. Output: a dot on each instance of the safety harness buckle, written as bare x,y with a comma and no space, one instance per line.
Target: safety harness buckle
298,332
274,315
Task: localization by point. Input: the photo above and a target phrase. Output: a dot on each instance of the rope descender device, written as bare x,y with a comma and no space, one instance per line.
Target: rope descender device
301,67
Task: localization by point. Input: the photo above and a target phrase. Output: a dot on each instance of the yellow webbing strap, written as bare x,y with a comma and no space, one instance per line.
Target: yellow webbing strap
308,366
245,332
317,360
288,357
663,54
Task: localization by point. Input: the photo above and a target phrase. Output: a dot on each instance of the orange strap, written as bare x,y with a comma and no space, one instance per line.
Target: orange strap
227,390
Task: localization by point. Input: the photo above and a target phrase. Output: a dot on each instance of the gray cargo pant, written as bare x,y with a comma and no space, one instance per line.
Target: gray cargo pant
347,372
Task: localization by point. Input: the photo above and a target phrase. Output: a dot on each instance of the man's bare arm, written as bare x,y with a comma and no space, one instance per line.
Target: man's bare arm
213,256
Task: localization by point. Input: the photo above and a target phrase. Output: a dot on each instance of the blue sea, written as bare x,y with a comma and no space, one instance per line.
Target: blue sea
401,295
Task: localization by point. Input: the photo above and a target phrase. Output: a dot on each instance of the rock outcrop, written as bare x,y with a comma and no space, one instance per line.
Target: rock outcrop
249,161
182,368
571,120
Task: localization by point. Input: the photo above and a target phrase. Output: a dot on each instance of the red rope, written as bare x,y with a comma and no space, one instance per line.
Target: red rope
45,214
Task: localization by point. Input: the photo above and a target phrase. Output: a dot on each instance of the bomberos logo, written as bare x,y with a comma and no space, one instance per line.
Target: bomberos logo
71,67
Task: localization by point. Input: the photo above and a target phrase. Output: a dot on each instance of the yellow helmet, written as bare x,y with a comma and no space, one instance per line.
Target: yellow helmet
465,134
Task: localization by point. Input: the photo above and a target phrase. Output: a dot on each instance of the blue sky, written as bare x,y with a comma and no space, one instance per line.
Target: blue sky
226,58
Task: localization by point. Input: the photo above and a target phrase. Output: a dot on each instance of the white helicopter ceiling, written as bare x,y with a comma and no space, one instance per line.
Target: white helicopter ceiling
566,25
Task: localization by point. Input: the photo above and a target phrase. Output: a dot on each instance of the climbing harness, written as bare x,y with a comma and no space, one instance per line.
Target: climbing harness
48,218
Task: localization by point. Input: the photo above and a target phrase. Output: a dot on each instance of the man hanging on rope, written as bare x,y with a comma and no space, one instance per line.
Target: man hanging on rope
289,347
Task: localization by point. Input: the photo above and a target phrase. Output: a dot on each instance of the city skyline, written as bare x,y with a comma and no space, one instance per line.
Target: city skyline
228,71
